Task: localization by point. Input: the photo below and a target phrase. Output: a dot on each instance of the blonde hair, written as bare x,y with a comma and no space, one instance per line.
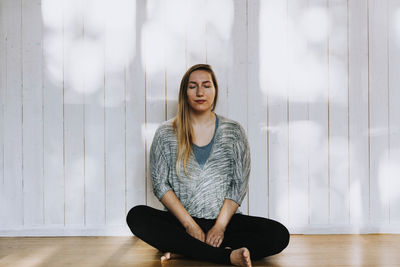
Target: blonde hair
182,124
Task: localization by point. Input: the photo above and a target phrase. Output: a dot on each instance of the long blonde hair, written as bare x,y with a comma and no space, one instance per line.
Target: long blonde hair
182,124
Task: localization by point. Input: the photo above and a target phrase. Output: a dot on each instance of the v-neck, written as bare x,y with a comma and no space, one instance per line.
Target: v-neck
216,131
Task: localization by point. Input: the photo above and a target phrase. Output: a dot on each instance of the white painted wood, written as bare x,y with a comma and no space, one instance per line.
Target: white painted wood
237,70
300,128
32,113
394,110
316,18
257,117
196,36
74,113
338,113
106,81
13,176
135,114
378,62
358,112
115,90
153,49
274,76
94,113
53,87
175,51
218,28
3,60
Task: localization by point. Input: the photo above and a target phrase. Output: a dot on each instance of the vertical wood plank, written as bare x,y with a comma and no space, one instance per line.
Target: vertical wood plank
135,113
299,126
257,115
74,113
218,49
393,167
53,87
338,113
13,163
153,47
32,112
273,46
3,71
378,62
94,95
115,90
236,68
175,51
196,40
358,112
317,42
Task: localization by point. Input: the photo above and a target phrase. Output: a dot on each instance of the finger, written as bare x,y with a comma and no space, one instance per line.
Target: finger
212,240
203,237
209,239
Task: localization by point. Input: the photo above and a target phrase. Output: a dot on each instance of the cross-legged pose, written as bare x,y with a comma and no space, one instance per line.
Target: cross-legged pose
200,167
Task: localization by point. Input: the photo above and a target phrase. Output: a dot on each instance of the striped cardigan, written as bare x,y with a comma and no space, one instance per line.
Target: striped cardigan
224,175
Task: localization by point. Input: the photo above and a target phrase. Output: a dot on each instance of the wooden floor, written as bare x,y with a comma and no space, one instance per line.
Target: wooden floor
303,250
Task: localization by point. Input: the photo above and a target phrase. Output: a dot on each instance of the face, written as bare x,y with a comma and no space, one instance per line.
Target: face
200,87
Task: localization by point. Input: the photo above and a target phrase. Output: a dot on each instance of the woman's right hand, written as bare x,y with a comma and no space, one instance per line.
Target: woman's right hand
195,231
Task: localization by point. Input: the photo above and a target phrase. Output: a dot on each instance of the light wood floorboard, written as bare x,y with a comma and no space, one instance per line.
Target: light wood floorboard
303,250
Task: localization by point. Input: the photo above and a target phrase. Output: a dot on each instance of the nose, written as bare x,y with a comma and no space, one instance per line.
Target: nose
199,91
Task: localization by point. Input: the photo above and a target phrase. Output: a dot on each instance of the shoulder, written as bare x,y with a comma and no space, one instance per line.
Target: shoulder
232,127
164,132
165,127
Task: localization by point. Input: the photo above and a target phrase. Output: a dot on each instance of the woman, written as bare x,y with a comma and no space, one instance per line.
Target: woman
200,166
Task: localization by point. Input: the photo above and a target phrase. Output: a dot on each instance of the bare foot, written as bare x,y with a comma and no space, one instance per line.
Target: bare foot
169,255
166,256
241,257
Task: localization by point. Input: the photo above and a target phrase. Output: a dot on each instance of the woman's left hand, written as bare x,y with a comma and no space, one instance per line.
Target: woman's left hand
215,236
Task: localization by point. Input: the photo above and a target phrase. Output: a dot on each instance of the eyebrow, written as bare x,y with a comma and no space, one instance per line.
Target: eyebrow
202,82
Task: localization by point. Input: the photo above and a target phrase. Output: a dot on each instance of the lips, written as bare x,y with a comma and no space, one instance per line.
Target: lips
200,101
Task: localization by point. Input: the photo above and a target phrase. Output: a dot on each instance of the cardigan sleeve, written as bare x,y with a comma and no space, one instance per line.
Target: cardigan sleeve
159,167
239,179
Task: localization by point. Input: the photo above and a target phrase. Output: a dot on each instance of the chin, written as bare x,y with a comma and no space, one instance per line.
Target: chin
200,110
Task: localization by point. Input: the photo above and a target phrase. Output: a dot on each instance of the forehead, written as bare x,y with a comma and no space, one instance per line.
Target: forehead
200,75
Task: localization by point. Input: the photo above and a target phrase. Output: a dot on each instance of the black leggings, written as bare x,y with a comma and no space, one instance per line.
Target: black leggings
162,230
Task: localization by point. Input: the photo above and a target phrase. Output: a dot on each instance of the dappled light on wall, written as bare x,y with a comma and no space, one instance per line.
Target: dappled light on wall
290,61
220,17
52,14
314,24
153,38
85,39
148,130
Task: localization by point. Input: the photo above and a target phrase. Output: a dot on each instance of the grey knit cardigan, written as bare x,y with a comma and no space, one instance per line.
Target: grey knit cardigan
224,175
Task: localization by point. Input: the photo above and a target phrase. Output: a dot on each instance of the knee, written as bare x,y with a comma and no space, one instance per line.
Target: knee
276,236
283,238
136,215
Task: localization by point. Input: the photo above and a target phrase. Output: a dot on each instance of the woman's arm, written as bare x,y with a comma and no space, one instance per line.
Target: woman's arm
228,209
171,201
236,188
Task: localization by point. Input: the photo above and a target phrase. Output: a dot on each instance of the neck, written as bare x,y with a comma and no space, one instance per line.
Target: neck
204,118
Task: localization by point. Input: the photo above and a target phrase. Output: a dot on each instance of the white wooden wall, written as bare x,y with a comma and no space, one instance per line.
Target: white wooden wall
84,84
